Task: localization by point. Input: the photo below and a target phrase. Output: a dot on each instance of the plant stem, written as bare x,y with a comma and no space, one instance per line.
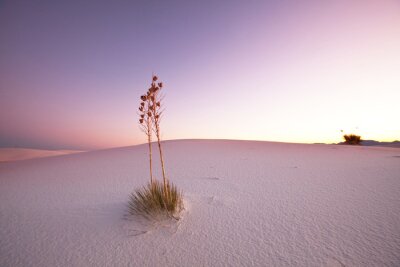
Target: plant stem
161,157
150,152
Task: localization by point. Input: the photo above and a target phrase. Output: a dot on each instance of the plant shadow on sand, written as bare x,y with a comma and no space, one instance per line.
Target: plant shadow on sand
115,217
137,224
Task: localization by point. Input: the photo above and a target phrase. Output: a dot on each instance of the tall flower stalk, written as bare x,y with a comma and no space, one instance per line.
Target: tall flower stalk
150,117
147,127
156,111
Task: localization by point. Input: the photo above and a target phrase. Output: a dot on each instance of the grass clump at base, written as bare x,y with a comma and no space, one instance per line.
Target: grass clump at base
352,139
155,199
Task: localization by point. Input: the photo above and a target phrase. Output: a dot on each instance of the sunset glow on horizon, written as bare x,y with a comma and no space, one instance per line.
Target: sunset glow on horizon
71,74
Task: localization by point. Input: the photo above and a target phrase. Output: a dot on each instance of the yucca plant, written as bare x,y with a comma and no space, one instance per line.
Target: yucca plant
352,139
156,198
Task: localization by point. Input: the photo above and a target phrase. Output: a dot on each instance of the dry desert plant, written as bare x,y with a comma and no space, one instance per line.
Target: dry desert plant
352,139
156,198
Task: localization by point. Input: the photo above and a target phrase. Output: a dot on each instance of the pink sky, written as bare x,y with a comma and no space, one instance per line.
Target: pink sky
71,74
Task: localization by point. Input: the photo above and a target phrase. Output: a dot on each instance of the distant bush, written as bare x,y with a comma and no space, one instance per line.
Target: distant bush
155,200
352,139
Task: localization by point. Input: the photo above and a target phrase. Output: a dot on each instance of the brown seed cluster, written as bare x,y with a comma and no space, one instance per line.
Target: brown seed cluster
150,105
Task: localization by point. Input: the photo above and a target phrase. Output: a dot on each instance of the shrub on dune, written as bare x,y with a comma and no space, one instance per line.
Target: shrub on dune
352,139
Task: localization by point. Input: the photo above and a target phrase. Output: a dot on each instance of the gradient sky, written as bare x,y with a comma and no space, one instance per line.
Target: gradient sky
71,72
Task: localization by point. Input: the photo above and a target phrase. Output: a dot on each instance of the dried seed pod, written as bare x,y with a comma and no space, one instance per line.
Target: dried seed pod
158,104
141,121
141,108
142,116
155,78
149,114
157,116
143,97
160,85
142,104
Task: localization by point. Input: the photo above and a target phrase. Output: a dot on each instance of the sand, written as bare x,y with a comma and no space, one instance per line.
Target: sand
13,154
247,204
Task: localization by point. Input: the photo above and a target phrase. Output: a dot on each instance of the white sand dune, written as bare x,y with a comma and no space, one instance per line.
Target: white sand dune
12,154
248,204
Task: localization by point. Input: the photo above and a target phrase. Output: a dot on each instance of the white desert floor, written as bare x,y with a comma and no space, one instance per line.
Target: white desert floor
12,154
247,204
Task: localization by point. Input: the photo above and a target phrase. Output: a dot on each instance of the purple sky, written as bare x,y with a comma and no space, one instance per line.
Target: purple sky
71,72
